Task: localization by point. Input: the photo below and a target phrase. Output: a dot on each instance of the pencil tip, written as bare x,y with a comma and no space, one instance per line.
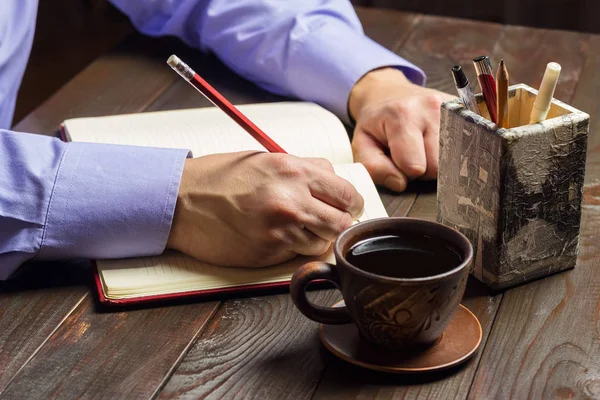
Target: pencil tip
502,62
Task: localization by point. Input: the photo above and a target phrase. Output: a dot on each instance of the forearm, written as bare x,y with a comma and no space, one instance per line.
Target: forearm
313,50
17,26
63,200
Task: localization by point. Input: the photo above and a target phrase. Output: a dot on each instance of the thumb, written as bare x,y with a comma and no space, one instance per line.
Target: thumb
382,169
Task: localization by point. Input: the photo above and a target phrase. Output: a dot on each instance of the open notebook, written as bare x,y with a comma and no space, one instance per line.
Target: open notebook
302,129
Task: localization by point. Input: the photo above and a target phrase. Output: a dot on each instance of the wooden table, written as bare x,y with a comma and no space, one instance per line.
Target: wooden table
541,340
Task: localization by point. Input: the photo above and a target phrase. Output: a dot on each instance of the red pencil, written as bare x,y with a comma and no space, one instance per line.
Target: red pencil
218,100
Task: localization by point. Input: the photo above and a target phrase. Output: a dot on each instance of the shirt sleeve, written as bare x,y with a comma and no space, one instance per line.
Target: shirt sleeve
315,50
63,200
17,27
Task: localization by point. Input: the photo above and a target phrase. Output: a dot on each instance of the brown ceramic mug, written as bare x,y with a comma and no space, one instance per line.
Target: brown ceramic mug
394,312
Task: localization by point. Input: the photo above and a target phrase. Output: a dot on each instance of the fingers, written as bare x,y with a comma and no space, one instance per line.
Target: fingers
407,149
306,243
381,168
313,227
409,127
337,192
432,143
321,163
325,221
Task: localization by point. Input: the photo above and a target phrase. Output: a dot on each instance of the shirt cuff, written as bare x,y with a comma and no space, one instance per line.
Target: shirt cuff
112,201
329,57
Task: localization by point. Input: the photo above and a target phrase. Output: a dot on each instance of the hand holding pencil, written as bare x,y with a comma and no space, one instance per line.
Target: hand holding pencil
270,207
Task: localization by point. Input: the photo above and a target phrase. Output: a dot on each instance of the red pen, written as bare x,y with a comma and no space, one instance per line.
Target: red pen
218,100
485,76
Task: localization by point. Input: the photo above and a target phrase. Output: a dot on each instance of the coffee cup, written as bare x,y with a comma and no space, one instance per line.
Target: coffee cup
401,279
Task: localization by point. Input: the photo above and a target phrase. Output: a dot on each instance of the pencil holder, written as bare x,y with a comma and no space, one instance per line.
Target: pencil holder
516,193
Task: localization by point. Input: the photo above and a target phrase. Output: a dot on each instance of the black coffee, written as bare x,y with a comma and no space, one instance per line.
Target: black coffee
413,256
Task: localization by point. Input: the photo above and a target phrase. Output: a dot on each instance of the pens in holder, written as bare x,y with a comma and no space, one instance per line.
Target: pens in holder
218,100
502,92
488,84
464,89
542,102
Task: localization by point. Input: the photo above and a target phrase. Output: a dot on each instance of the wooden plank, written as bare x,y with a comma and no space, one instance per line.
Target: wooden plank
27,322
425,204
471,9
390,29
586,95
87,29
255,348
526,59
32,306
259,347
125,354
575,15
545,341
436,45
439,43
397,204
126,80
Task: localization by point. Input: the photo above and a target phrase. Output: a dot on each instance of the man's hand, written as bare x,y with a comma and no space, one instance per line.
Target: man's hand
397,128
258,209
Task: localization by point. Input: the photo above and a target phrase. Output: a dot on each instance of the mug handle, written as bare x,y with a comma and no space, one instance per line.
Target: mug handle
301,278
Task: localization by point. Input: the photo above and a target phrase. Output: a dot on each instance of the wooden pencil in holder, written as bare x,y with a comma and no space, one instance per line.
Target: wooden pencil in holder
516,193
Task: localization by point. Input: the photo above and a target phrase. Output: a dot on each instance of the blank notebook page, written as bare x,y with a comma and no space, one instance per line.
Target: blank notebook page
302,129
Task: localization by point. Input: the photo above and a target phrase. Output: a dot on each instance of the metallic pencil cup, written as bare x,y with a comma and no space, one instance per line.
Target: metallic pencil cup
515,193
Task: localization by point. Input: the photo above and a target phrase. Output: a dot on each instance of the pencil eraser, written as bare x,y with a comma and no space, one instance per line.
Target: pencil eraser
173,61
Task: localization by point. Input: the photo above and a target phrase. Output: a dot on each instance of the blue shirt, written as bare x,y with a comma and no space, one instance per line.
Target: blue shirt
63,200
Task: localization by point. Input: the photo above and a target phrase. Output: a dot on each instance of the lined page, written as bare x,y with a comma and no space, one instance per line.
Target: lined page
302,129
174,272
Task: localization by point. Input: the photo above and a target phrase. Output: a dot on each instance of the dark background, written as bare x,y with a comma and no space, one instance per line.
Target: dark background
71,33
579,15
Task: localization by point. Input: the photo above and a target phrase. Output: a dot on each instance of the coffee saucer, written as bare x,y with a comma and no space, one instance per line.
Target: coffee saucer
459,341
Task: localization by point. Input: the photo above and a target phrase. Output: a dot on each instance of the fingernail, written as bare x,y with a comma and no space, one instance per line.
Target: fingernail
415,170
394,183
356,216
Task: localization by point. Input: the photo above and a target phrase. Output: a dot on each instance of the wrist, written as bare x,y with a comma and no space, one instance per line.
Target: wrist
372,85
174,238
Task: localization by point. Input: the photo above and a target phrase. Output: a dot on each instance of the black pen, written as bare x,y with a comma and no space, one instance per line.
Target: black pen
464,89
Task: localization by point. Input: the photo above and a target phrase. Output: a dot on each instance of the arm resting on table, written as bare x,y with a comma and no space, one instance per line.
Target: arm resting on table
63,200
311,49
